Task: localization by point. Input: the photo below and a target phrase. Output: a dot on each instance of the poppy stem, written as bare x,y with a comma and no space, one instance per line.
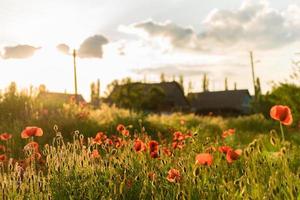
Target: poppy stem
282,133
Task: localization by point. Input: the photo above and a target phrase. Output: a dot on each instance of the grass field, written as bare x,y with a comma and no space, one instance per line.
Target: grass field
177,156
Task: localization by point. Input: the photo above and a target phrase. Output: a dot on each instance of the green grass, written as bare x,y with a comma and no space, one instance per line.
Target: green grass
267,169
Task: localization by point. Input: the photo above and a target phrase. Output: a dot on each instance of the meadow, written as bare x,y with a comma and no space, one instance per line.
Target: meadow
76,152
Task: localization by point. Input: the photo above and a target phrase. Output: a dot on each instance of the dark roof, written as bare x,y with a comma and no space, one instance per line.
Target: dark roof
59,98
172,90
229,99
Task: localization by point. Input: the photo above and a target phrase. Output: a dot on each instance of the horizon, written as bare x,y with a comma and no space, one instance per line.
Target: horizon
214,38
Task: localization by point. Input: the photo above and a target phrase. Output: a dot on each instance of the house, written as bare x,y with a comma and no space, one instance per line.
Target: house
228,102
58,99
154,97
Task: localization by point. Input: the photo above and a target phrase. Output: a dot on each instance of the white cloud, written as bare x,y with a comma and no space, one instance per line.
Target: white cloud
254,26
19,52
92,47
64,48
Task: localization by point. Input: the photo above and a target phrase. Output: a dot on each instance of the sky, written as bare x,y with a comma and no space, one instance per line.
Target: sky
142,39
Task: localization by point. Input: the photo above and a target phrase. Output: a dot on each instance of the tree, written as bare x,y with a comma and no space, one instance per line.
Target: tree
162,77
257,87
226,83
95,93
205,83
190,87
284,94
181,82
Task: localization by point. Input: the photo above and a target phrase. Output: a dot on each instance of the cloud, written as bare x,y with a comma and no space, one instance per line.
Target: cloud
64,48
19,52
254,26
173,70
92,47
225,66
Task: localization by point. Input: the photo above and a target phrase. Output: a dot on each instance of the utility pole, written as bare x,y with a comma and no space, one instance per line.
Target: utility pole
75,74
252,68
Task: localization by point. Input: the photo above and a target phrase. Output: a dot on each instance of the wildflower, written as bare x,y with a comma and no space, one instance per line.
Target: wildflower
2,158
120,127
32,146
34,156
173,175
95,153
139,145
154,154
227,133
178,136
167,151
2,148
153,146
282,113
204,159
31,131
224,149
178,144
189,135
99,138
233,155
109,141
5,136
117,141
125,132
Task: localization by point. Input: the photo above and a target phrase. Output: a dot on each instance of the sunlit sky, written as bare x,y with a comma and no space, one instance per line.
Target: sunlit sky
144,38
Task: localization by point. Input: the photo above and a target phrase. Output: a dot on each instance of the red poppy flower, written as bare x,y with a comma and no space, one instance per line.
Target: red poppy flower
32,145
173,175
2,158
34,156
95,154
109,141
154,154
153,146
204,159
99,138
120,127
2,148
233,155
118,142
31,131
167,151
178,145
178,136
224,149
227,133
189,135
125,132
282,114
5,136
139,145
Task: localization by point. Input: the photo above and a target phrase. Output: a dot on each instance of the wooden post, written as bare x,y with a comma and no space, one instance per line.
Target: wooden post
75,74
253,75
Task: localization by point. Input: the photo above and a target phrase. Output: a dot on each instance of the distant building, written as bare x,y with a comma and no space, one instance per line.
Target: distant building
58,99
228,102
156,97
